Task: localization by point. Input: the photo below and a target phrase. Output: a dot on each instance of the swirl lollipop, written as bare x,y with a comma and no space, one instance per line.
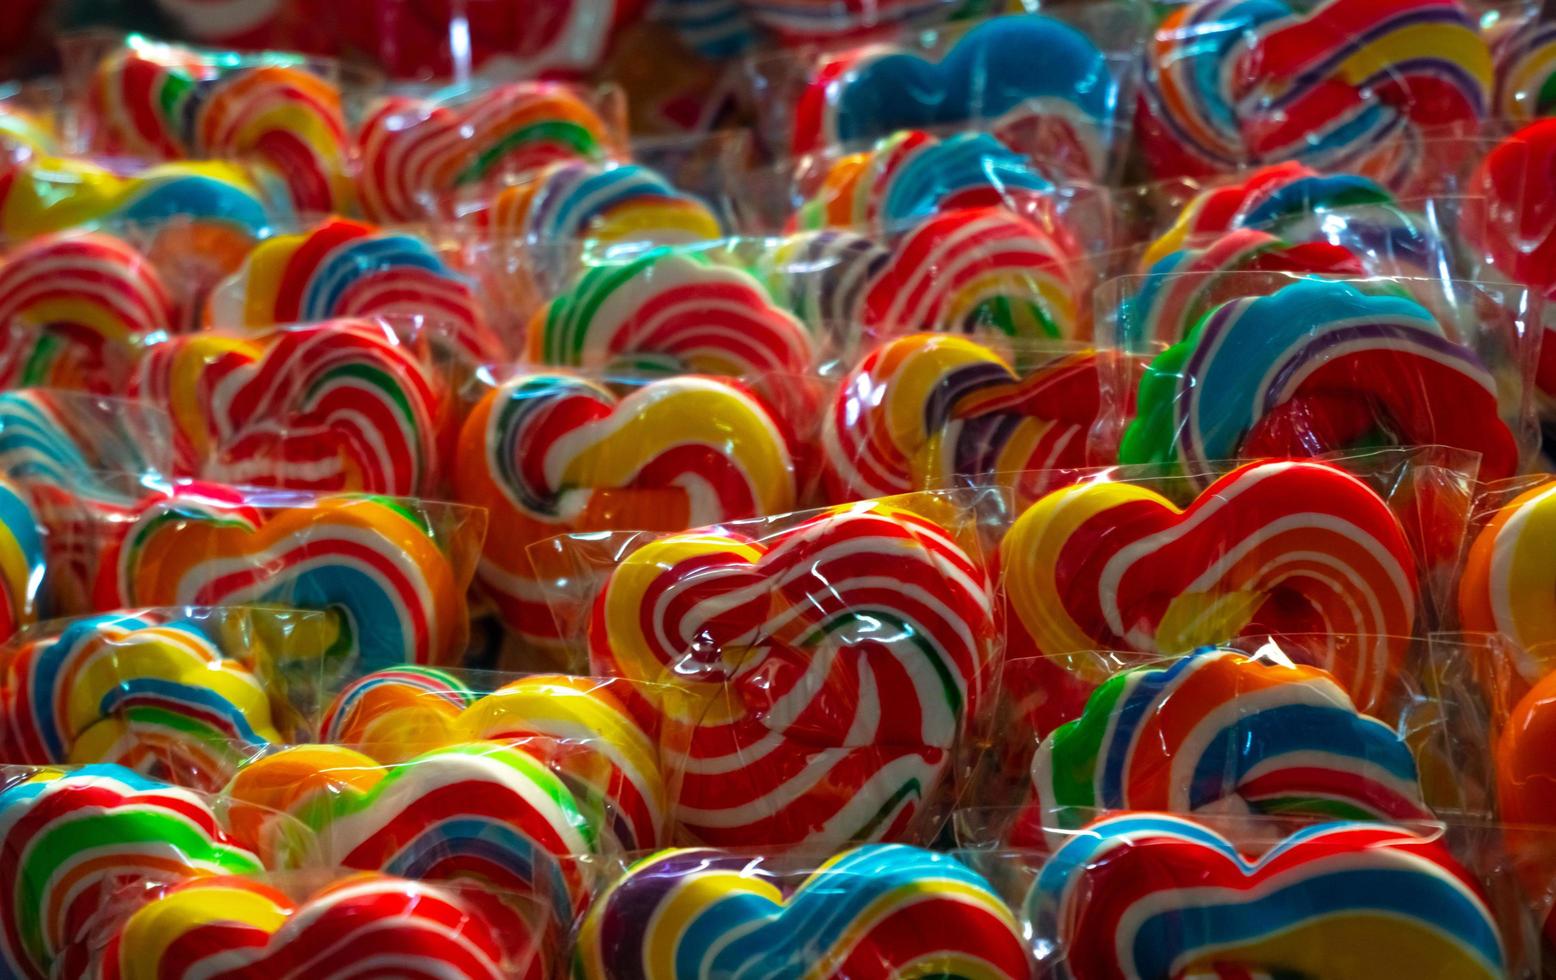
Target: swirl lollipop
1217,728
822,701
341,405
823,277
1314,367
417,155
142,691
1524,778
1503,585
347,269
879,911
21,561
76,310
397,712
1271,549
1229,83
547,454
1524,51
1150,895
673,311
372,561
920,410
601,204
76,842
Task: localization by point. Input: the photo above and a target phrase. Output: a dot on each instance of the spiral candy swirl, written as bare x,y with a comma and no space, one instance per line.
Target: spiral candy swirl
336,406
1524,50
547,454
1275,548
672,311
1217,726
1151,895
21,561
823,277
822,700
396,712
73,840
347,269
602,204
1502,588
882,910
417,155
1316,366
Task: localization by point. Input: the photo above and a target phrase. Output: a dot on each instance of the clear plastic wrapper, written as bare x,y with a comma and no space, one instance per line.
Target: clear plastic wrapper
873,911
1356,555
828,663
1154,895
1339,87
185,695
1060,82
1521,39
294,925
147,99
343,405
551,451
391,572
416,153
29,120
1269,364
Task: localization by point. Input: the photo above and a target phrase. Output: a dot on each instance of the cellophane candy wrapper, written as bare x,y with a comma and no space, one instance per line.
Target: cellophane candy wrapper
1339,87
29,120
1269,364
418,153
183,694
1247,726
1060,82
551,450
291,924
348,405
58,450
1158,562
391,572
83,841
827,664
1143,893
874,910
286,112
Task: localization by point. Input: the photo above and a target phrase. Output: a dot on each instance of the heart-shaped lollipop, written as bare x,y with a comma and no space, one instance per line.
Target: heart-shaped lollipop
1151,895
879,911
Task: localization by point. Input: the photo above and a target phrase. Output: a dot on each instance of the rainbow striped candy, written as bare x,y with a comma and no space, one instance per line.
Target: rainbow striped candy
878,911
819,697
22,561
548,454
1152,895
1524,50
372,561
78,843
603,204
823,276
1292,549
398,712
1217,726
149,691
343,268
342,405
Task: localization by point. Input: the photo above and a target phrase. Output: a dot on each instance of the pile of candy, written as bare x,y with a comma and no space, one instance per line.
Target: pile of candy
1062,497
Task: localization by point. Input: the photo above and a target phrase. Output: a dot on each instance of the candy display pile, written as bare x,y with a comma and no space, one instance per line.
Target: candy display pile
716,489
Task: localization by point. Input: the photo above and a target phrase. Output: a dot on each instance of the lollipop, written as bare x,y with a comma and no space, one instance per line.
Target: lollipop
601,204
673,311
1217,728
397,712
77,843
1504,585
161,102
923,409
1063,101
1524,51
877,911
417,156
1276,548
373,562
822,700
479,810
146,692
1316,366
1525,778
1231,83
547,454
823,276
362,926
981,269
21,561
341,405
910,176
75,311
1151,895
346,269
